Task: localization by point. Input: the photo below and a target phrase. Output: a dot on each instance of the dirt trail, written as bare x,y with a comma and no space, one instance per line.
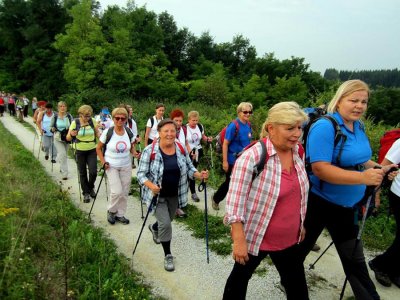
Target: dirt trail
193,278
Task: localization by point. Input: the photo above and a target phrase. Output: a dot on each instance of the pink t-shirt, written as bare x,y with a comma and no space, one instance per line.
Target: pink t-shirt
284,227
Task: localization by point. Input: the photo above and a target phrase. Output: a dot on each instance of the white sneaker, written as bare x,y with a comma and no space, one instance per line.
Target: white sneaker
169,263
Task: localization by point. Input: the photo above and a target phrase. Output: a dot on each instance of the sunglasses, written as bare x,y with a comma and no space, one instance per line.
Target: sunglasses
120,119
247,112
86,116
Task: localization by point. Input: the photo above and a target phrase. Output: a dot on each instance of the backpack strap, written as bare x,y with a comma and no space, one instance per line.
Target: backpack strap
259,167
201,127
153,154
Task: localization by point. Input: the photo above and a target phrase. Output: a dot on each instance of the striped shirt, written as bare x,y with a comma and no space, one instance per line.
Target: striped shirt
153,171
253,203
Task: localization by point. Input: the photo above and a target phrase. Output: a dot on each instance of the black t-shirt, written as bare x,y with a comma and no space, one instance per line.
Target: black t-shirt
171,175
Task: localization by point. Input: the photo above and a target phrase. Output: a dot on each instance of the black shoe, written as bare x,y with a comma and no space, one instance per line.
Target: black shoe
380,276
316,248
92,193
46,157
395,280
122,220
111,217
53,161
86,198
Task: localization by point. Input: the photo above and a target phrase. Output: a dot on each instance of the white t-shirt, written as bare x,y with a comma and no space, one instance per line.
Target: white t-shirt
194,137
118,149
181,137
153,130
394,156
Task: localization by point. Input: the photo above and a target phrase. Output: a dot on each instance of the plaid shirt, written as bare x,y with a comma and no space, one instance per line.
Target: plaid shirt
153,171
253,203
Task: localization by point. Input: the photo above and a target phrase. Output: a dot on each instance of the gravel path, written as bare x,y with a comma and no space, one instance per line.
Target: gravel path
193,278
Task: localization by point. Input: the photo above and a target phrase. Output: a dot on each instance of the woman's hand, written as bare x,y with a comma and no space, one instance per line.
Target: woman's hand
73,132
239,253
154,188
225,166
372,176
302,234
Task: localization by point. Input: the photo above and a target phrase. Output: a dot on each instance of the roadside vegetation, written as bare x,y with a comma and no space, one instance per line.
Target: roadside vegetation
47,248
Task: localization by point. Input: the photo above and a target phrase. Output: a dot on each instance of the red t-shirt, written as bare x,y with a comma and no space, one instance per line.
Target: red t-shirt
1,101
284,227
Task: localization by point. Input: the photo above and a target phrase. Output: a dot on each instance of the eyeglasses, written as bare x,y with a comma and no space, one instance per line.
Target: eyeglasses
120,119
86,116
247,112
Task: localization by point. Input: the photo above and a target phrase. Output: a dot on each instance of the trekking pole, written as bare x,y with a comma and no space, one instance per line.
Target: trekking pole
153,202
312,266
141,202
52,152
40,146
98,188
106,188
211,156
34,141
203,187
360,231
79,176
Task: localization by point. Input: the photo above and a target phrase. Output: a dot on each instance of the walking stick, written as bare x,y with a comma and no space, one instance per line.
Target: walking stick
211,156
34,141
52,152
79,175
203,186
106,187
141,202
98,188
40,146
312,266
153,202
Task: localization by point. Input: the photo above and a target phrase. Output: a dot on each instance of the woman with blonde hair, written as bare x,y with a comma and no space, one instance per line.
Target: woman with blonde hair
113,150
339,175
266,212
83,133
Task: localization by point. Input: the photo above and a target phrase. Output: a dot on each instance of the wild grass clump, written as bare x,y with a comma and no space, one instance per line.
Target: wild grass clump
47,248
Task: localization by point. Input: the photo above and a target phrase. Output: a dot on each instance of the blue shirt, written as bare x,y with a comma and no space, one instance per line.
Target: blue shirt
237,143
356,150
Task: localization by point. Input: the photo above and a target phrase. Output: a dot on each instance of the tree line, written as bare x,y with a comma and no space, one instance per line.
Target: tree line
72,50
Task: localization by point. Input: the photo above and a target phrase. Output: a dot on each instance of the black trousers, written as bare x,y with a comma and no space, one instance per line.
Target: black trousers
340,222
224,187
289,264
89,159
389,261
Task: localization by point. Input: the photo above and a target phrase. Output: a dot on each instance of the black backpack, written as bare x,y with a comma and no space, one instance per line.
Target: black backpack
78,126
110,133
63,133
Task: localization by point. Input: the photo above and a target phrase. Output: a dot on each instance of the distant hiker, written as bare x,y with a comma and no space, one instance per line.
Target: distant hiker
163,170
266,213
339,176
83,133
118,144
177,116
195,134
43,122
1,105
26,105
104,119
131,124
11,104
152,123
387,265
41,108
60,123
19,104
238,135
34,105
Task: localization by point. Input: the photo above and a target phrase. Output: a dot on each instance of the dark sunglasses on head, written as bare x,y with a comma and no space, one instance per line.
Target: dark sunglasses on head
120,119
247,112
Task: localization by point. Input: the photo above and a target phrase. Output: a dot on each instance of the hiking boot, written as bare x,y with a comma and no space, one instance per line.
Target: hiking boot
316,248
155,234
195,198
380,276
92,193
111,217
86,198
46,157
214,204
180,213
65,178
169,263
122,220
53,161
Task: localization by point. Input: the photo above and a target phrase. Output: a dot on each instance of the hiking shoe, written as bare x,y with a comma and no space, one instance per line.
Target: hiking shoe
65,178
214,204
122,220
380,276
195,198
46,157
111,217
316,248
92,193
395,280
86,198
155,234
180,213
53,161
169,263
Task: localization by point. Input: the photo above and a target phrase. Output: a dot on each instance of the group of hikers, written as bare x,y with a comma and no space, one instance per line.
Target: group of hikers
280,193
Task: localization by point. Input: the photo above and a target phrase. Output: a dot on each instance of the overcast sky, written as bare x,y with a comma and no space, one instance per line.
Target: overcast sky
341,34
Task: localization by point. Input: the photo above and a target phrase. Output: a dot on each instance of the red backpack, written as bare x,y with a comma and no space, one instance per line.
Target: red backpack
153,154
221,136
386,142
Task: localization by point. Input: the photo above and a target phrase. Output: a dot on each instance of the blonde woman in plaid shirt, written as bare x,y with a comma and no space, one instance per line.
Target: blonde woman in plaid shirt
266,213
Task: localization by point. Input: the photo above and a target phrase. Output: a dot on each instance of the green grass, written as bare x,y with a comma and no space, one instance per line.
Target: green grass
47,248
